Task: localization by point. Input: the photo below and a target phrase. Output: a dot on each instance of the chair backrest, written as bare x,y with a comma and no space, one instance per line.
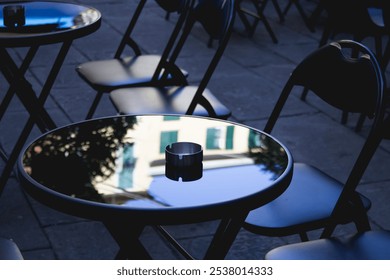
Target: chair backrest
351,17
179,6
348,84
386,14
170,6
217,18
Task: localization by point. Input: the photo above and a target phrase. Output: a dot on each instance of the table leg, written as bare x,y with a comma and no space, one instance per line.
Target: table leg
23,89
19,85
12,73
225,236
21,71
12,158
127,237
34,105
51,79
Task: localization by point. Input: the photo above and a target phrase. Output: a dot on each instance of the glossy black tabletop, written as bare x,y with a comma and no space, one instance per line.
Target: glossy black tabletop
117,166
40,22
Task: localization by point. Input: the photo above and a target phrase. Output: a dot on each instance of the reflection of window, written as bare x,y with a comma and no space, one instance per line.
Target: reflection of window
166,138
229,137
219,138
128,163
171,118
254,140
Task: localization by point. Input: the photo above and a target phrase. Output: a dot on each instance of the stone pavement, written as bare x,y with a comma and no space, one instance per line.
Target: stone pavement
248,80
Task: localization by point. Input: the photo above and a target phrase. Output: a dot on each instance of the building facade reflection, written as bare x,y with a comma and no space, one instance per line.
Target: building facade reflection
122,160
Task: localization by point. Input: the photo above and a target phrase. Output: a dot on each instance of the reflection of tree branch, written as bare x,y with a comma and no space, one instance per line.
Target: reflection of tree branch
84,151
269,153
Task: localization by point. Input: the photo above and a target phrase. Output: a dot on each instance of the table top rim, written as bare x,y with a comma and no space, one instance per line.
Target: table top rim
283,180
26,39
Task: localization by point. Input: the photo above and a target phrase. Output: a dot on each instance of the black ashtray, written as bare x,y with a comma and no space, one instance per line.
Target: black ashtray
14,16
184,160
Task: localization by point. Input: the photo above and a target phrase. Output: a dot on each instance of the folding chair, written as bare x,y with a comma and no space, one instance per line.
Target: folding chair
140,69
315,200
216,17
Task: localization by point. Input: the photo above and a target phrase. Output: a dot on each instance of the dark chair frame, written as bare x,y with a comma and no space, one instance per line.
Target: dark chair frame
360,25
364,245
258,15
219,33
357,22
310,21
176,76
350,206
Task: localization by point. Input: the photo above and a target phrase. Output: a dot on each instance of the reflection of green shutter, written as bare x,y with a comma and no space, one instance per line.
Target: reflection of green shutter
212,134
229,137
251,139
126,175
254,139
167,137
171,118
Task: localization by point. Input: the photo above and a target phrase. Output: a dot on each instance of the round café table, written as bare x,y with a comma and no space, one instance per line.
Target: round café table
31,24
119,170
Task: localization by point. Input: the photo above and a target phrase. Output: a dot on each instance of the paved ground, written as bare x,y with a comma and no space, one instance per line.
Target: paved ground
248,80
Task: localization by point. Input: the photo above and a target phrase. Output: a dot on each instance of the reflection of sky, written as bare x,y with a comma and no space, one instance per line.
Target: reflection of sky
141,203
216,185
62,22
62,15
42,21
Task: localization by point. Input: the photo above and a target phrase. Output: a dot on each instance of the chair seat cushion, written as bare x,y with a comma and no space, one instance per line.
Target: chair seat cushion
172,100
9,250
370,245
106,75
308,201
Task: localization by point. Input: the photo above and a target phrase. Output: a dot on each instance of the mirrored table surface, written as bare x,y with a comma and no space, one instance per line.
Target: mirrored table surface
115,170
25,22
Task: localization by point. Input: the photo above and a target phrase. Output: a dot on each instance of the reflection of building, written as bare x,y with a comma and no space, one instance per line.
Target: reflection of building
122,160
144,156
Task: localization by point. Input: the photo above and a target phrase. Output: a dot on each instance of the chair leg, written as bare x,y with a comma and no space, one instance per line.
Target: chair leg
260,12
94,105
241,13
304,94
327,232
344,117
303,236
258,16
301,12
325,36
210,42
360,214
312,21
386,56
287,8
303,15
278,10
270,31
378,49
360,122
